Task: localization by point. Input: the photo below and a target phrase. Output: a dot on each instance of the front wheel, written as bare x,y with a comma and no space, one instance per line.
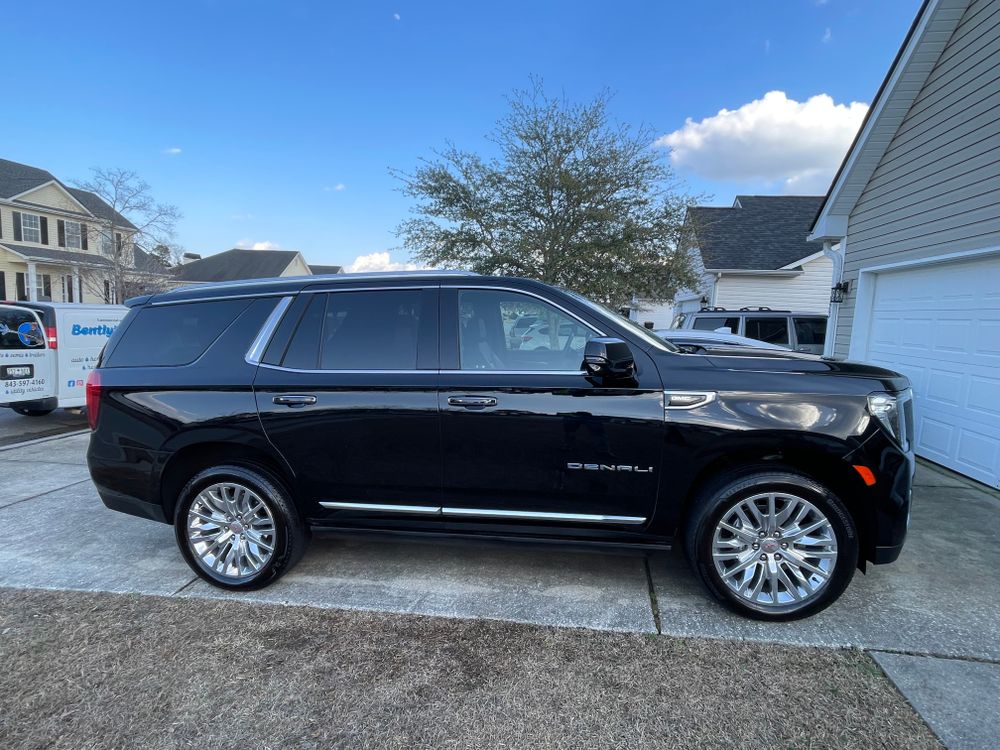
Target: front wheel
773,545
237,527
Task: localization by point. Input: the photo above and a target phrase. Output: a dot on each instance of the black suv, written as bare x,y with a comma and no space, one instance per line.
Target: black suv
246,414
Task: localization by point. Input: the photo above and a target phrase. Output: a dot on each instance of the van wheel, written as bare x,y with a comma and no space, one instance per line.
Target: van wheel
772,545
238,528
32,412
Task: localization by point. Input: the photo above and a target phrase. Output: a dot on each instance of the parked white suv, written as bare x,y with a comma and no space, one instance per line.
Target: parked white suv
800,331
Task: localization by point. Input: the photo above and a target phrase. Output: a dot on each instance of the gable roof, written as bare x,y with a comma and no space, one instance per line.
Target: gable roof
924,42
321,270
236,264
758,233
16,179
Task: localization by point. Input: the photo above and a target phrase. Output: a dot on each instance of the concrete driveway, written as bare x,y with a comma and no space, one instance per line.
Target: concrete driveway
936,608
15,428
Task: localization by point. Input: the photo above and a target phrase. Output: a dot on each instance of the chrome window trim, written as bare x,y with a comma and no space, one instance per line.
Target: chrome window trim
256,350
428,371
514,372
425,510
707,398
350,372
404,287
529,515
522,515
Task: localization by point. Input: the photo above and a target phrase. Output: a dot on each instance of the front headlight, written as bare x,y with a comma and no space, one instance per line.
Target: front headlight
887,408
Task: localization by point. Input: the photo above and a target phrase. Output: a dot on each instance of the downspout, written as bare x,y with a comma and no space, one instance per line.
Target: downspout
836,256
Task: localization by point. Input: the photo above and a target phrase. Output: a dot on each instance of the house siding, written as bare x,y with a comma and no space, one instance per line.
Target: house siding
808,292
50,195
936,190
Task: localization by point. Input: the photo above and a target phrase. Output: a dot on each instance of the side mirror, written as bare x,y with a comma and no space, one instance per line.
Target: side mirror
608,358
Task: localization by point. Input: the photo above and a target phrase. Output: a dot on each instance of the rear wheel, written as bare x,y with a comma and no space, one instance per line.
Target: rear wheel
773,545
32,412
237,527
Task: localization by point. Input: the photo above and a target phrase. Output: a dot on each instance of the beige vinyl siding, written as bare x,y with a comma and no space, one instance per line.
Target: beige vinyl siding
298,267
808,292
51,195
936,189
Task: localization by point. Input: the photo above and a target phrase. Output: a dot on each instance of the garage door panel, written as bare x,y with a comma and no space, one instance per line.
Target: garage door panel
940,326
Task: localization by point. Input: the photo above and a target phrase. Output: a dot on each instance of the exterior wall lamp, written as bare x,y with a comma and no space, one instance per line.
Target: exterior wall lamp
839,291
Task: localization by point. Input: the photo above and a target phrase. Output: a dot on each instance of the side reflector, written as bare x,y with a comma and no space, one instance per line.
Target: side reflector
867,476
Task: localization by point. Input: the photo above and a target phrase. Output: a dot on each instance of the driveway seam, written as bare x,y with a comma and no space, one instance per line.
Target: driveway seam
654,603
929,655
42,494
186,585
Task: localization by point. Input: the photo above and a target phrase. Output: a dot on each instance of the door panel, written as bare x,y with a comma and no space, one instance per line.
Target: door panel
525,431
351,400
551,444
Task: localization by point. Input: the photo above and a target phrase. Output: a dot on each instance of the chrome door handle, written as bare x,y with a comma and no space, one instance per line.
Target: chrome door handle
472,402
294,400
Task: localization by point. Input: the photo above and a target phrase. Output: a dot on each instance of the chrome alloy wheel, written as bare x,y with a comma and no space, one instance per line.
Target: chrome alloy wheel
774,550
230,531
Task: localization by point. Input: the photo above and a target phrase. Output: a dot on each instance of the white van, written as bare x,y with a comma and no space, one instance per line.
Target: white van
47,350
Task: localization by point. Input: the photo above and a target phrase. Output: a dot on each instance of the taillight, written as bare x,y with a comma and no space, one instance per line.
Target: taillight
93,397
50,334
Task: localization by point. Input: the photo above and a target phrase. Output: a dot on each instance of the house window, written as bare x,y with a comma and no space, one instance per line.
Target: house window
74,235
20,282
107,292
106,243
31,228
43,287
67,288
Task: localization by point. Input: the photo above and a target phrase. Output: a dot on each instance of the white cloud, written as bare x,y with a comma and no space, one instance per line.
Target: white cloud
241,217
395,17
338,188
827,35
379,262
172,151
772,139
247,244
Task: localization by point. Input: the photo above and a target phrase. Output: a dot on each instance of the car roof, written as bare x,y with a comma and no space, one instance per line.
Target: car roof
295,284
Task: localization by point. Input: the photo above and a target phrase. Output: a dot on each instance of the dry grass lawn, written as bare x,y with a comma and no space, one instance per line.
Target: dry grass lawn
113,671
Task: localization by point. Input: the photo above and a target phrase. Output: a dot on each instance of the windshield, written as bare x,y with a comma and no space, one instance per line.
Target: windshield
643,333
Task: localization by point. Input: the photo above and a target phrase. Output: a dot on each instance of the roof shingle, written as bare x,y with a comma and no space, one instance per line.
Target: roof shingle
236,264
759,233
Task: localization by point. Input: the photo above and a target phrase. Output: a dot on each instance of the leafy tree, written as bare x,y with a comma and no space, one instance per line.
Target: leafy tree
571,199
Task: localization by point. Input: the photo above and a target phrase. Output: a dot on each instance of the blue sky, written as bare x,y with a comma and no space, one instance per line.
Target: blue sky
277,122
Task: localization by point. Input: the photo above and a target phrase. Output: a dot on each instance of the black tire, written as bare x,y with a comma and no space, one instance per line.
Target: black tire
291,536
32,412
721,497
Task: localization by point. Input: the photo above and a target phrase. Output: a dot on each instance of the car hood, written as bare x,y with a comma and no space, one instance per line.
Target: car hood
773,360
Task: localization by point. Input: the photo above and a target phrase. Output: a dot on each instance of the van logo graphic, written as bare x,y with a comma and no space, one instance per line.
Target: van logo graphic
102,330
28,333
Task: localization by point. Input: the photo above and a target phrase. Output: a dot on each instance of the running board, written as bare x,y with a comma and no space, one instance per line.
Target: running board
512,515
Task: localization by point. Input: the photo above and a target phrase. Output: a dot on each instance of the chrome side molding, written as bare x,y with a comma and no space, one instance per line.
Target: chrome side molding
516,515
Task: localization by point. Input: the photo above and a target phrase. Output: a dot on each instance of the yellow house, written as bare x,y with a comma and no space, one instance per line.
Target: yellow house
55,241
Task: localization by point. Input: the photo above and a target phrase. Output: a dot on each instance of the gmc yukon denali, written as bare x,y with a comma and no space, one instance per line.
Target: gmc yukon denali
249,414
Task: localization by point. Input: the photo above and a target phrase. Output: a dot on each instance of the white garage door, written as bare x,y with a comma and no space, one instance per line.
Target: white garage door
940,325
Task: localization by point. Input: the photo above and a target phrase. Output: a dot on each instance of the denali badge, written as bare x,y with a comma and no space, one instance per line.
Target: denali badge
610,467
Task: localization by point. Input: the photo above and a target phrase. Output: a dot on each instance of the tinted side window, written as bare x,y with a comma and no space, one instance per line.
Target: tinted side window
488,339
19,329
712,322
173,335
303,349
771,330
810,331
358,330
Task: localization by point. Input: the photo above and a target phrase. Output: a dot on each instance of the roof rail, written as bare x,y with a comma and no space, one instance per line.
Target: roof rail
761,309
713,309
